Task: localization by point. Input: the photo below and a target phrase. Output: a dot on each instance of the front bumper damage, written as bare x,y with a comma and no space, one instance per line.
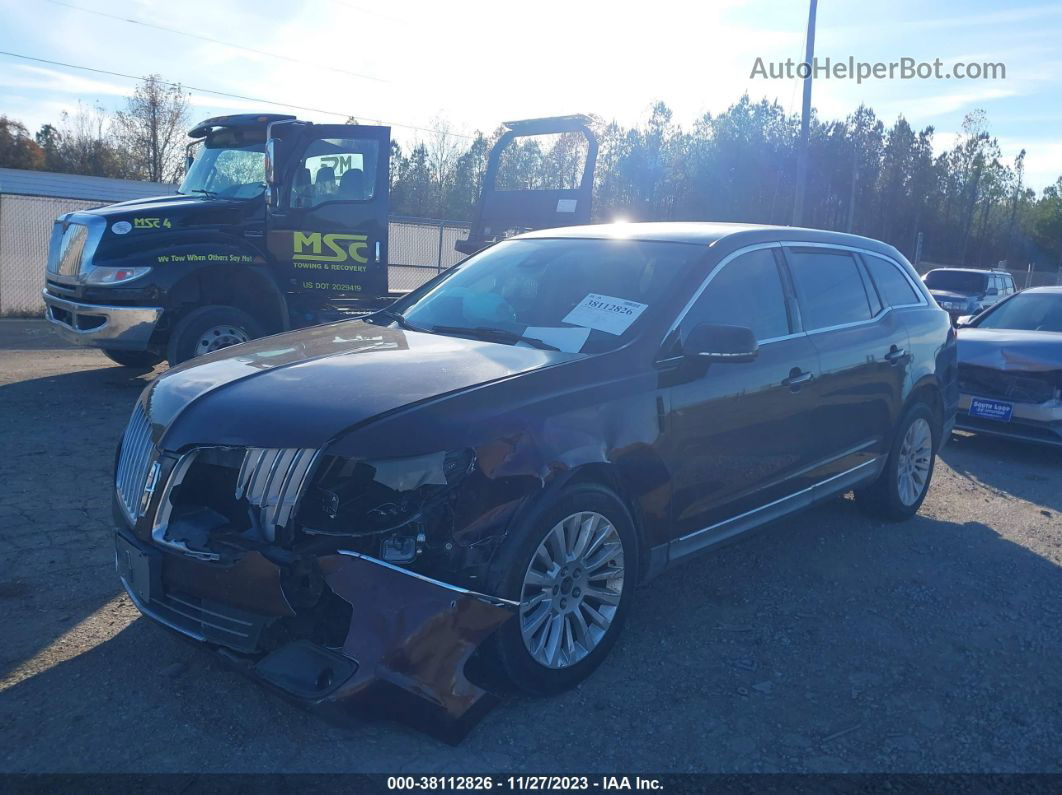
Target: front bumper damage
396,648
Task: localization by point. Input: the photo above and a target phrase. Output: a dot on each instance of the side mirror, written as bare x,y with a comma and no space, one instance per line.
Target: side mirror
963,321
714,342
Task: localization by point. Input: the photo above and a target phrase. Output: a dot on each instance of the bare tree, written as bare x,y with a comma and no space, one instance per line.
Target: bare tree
152,129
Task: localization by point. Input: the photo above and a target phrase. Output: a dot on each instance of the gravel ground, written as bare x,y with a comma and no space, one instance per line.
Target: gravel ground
828,642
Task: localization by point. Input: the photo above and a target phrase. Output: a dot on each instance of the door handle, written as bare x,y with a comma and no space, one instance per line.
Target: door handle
797,377
895,355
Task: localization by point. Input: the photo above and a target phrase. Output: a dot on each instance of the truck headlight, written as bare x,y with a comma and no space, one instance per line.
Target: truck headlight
107,275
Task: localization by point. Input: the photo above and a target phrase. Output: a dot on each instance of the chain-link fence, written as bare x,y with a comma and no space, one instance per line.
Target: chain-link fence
25,227
419,248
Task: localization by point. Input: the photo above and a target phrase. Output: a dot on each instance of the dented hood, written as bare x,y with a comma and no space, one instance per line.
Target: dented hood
303,388
1006,349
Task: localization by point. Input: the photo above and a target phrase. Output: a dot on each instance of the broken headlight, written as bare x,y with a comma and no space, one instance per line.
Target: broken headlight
392,504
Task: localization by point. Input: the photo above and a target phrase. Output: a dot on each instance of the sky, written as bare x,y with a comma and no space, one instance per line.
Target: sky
470,64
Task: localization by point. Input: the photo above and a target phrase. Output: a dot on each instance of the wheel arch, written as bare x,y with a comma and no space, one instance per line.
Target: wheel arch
605,475
927,390
250,289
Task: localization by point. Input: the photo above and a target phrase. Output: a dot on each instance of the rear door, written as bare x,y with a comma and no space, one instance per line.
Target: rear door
328,227
863,350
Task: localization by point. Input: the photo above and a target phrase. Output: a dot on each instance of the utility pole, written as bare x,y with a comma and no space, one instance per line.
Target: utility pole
805,121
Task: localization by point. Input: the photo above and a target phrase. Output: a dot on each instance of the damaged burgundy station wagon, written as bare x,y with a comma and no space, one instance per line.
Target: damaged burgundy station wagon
381,516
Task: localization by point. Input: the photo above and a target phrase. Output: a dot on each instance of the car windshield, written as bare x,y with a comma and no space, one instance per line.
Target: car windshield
1026,312
571,294
227,166
956,281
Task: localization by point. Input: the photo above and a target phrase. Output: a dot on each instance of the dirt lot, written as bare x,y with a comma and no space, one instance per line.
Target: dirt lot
826,643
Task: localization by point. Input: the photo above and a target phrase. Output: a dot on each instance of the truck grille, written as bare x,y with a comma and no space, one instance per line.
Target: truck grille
1017,387
137,463
67,260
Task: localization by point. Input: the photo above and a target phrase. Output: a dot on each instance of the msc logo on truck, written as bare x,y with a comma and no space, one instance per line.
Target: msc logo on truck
321,247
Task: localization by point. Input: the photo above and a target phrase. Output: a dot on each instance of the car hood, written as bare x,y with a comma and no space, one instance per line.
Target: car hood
304,388
171,203
1008,349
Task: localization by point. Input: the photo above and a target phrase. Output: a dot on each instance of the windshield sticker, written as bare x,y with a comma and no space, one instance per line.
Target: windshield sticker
605,313
569,340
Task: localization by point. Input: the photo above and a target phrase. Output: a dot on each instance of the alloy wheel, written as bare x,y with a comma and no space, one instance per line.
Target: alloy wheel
571,590
916,454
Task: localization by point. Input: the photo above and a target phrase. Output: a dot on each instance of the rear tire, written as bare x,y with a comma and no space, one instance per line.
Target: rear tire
522,654
140,360
901,488
208,329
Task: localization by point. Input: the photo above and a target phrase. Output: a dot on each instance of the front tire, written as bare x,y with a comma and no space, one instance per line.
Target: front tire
572,566
901,488
209,329
140,360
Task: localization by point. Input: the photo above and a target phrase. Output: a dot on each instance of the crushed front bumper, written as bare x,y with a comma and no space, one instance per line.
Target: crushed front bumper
1030,422
119,327
402,656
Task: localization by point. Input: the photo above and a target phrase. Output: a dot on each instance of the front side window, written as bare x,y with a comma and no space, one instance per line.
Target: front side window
746,292
335,169
893,287
829,288
574,294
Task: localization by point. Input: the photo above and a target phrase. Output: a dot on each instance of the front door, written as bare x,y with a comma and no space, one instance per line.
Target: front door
738,435
328,226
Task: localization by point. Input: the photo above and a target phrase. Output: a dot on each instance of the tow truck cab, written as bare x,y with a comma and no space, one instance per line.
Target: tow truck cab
278,223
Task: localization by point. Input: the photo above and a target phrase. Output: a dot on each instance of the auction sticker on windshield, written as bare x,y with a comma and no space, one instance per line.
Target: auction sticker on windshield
991,409
605,313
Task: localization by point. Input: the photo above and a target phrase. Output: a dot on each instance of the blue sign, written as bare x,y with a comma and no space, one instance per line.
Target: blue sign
991,409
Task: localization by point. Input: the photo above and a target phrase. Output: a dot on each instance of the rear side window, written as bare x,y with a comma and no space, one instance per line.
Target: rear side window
829,288
893,287
746,292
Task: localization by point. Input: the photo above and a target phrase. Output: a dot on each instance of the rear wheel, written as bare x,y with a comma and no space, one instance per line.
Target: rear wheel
898,492
209,329
141,360
572,568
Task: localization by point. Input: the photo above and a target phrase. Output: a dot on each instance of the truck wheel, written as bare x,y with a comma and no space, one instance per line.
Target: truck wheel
141,360
208,329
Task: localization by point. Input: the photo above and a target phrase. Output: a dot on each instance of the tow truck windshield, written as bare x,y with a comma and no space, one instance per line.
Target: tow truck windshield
226,169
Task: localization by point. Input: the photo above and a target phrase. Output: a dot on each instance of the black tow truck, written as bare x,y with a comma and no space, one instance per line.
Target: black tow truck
278,224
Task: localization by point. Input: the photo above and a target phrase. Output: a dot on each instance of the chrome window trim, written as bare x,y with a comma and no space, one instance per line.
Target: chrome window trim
867,252
707,280
782,244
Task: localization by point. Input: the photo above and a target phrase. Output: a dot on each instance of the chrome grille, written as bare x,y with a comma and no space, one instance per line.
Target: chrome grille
136,463
271,480
71,247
